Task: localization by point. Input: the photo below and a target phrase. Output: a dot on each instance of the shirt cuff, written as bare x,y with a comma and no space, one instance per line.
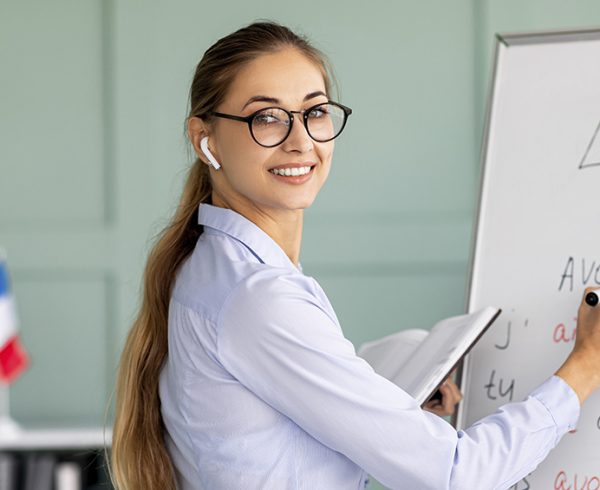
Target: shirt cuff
562,403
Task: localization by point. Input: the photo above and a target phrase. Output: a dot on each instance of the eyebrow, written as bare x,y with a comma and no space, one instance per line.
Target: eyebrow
273,100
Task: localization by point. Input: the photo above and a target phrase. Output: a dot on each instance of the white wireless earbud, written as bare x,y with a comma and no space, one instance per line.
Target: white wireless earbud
209,155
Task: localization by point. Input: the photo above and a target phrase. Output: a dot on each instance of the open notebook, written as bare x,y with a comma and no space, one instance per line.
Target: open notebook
419,361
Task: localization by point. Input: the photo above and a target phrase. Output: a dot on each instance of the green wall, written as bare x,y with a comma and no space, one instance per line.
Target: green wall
92,158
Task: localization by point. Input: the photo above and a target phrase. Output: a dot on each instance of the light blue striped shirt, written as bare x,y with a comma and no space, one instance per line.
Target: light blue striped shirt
261,390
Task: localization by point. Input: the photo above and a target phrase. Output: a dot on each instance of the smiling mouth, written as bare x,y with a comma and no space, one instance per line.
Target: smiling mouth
292,171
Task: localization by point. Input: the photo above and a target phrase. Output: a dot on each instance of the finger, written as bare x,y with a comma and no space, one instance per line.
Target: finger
456,393
439,406
451,396
448,400
432,404
437,410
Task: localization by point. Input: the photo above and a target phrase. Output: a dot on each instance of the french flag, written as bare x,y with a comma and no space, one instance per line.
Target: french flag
13,359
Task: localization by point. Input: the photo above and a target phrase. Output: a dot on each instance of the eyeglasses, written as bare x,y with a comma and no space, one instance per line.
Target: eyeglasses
271,126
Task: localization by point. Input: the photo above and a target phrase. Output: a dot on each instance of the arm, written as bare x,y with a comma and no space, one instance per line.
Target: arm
283,344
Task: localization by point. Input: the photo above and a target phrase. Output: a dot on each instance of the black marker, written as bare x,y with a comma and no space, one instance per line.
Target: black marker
591,298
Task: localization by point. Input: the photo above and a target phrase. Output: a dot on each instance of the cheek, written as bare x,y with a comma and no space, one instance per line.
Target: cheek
326,156
241,154
235,142
244,165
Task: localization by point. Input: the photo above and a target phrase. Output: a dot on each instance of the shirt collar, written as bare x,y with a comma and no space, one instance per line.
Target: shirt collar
242,229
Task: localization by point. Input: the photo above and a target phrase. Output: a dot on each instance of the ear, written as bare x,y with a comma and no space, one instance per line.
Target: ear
197,129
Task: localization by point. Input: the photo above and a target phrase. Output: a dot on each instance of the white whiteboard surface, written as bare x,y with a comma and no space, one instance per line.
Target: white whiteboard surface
537,243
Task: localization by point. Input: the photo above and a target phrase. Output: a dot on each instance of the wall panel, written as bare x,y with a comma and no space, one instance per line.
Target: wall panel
64,327
52,132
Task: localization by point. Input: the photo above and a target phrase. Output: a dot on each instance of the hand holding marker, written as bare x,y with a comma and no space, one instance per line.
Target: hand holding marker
581,370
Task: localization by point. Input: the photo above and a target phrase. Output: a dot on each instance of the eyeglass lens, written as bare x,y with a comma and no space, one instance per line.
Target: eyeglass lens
271,126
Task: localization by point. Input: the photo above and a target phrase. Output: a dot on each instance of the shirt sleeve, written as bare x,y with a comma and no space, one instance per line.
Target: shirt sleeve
279,341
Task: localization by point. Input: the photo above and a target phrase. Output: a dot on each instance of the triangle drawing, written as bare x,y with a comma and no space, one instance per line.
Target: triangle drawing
591,157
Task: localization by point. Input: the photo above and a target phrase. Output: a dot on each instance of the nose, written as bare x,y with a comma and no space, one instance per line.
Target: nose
298,139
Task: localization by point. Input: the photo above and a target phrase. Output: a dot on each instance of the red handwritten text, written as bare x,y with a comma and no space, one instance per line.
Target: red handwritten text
576,482
564,334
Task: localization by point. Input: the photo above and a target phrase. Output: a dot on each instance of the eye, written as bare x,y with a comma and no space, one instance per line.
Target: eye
318,112
264,119
268,117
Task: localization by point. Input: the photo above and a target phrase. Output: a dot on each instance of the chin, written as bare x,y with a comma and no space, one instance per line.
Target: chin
300,203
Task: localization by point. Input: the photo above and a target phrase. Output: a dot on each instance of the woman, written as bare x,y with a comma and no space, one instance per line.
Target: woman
236,374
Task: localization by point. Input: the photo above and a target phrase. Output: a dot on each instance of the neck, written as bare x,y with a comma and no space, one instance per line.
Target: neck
283,226
286,230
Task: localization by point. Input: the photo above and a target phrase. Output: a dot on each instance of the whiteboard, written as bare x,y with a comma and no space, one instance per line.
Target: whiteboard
537,242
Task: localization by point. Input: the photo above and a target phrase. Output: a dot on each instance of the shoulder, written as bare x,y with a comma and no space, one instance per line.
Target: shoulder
276,282
207,276
271,290
221,272
276,302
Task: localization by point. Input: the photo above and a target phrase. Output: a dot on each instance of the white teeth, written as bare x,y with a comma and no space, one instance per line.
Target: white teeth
291,172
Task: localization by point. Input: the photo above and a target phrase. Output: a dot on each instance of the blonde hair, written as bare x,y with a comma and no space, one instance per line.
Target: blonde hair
139,458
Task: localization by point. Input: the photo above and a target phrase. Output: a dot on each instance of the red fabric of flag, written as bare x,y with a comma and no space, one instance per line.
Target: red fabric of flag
13,360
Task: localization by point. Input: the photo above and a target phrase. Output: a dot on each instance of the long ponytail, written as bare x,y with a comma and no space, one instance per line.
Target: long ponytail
137,435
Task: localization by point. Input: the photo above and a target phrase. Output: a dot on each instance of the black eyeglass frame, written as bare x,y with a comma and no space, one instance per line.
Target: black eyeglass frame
250,118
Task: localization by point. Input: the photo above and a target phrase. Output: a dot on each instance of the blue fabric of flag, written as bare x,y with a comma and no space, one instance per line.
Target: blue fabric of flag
3,279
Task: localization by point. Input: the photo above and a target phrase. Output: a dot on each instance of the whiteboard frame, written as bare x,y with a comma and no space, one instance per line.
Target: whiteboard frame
503,41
